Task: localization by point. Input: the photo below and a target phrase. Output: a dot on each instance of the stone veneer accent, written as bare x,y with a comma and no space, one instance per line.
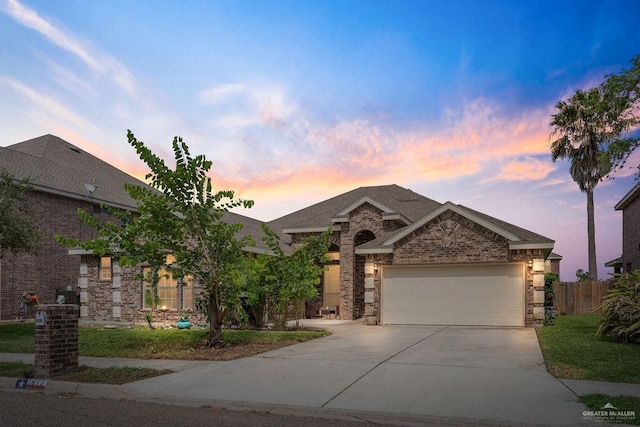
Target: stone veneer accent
365,218
57,341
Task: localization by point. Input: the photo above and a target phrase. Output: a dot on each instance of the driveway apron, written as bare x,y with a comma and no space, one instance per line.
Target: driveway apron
482,373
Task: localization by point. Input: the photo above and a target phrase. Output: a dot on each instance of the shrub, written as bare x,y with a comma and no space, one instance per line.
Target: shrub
620,309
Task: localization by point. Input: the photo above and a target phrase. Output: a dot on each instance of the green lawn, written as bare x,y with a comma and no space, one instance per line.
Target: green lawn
144,343
571,350
86,374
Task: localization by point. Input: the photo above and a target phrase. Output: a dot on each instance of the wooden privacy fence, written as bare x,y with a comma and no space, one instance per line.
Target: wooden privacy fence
579,297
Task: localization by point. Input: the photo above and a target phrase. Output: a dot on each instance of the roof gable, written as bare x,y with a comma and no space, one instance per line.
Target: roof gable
448,206
396,202
517,237
387,212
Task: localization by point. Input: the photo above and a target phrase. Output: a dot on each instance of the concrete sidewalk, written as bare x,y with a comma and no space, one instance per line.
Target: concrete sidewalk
486,375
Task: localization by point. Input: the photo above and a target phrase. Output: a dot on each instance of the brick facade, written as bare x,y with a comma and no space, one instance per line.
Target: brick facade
121,298
450,238
56,349
51,269
365,223
631,236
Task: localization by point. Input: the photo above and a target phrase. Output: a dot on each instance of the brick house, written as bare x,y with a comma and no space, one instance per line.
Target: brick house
109,292
630,207
60,175
396,256
63,179
402,258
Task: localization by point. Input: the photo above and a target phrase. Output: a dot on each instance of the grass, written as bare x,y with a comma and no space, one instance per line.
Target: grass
596,402
143,343
86,374
17,337
14,369
571,350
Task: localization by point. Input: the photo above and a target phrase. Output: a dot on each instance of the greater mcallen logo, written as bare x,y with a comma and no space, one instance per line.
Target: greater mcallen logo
610,414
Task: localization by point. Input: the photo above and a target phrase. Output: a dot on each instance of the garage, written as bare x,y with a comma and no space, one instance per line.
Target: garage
482,295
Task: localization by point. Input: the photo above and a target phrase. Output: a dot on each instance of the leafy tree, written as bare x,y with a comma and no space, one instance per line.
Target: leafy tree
182,216
624,92
18,234
582,276
591,130
280,283
250,277
583,127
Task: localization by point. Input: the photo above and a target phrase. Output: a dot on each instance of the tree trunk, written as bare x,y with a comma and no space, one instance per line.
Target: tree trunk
591,236
215,324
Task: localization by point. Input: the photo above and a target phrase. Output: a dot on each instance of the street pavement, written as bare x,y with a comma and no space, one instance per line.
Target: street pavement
413,375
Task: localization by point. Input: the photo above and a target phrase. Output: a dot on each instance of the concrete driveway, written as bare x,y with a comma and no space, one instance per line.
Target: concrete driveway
490,374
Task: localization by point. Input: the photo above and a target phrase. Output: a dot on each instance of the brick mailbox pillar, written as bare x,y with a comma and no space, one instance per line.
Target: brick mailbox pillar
56,339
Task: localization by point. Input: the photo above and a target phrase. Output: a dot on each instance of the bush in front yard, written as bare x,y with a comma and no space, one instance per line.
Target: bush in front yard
620,309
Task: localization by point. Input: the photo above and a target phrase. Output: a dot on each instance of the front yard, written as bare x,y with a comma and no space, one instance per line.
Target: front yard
571,350
144,343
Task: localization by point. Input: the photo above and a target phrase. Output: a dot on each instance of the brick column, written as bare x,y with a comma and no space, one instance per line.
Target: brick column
56,339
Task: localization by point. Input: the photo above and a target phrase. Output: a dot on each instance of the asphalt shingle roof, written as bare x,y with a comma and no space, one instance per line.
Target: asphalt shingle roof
411,205
525,235
53,164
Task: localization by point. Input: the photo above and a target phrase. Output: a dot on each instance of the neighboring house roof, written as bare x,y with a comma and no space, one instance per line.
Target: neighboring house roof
554,255
391,199
614,263
53,165
629,197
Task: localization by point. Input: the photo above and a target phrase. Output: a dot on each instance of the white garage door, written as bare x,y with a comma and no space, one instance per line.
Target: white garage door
453,295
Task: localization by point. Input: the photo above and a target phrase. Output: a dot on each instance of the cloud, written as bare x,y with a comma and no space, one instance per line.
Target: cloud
48,105
277,147
523,170
99,62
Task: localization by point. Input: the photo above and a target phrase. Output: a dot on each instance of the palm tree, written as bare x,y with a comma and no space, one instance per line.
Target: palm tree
582,130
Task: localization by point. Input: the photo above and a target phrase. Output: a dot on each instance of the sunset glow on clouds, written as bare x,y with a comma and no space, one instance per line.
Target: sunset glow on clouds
296,103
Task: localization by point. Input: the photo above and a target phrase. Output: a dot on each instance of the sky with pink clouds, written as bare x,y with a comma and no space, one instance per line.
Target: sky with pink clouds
297,101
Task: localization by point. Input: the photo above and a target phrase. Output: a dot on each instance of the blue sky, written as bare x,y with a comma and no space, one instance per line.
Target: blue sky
297,101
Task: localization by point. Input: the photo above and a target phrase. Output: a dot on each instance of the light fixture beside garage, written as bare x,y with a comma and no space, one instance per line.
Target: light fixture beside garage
376,267
538,265
369,268
530,264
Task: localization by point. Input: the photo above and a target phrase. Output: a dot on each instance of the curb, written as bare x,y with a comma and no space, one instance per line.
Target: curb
114,392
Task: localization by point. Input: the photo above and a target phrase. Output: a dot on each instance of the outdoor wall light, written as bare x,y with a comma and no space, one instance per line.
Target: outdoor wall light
375,269
530,263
